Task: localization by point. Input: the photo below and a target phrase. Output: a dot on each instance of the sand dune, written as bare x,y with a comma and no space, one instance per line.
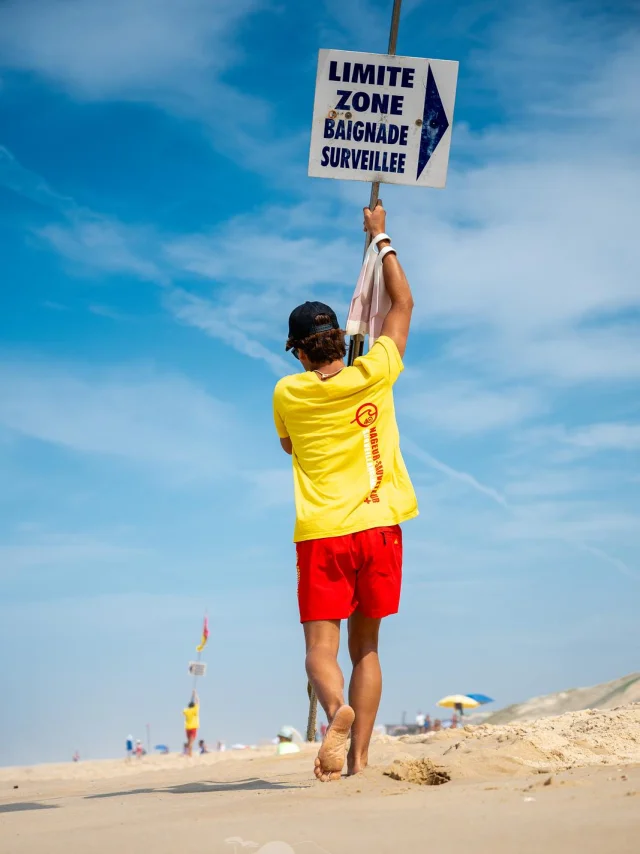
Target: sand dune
607,695
572,740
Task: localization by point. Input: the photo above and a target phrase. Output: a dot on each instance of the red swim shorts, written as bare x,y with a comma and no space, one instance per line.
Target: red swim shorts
356,572
191,733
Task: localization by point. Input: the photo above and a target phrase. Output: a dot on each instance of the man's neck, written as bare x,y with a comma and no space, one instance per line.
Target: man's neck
328,368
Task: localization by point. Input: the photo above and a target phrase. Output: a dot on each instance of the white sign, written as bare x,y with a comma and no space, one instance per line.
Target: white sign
197,668
382,118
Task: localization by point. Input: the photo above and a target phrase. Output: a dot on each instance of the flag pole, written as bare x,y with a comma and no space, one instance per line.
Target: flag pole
199,651
356,342
195,675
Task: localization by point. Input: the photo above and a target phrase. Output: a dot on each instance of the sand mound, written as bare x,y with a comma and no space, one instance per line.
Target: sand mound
607,695
420,771
573,740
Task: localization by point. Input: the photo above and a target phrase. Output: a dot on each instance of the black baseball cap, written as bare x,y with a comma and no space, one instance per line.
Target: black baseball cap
302,321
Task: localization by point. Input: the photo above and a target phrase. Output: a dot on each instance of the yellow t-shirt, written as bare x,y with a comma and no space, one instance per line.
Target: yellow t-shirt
192,717
348,471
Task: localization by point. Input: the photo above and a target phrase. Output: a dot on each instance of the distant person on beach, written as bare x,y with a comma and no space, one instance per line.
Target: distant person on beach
437,725
352,491
139,749
76,757
191,721
202,746
286,743
420,721
129,746
427,723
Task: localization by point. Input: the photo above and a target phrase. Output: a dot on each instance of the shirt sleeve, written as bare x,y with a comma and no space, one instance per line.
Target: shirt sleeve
382,361
278,419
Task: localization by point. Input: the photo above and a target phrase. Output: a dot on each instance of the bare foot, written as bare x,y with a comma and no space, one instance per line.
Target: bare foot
331,756
356,764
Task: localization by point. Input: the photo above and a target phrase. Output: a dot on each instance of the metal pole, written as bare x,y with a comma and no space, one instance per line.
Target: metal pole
195,675
149,739
356,344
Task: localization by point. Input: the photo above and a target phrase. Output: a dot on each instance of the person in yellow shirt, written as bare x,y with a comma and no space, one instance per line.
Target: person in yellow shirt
191,722
352,492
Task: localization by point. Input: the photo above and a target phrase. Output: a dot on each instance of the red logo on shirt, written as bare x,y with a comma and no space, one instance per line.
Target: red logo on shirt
366,415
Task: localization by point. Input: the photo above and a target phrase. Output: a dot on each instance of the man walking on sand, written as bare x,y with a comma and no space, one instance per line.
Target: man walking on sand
352,491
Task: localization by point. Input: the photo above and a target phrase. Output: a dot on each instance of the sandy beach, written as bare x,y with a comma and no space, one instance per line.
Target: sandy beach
561,784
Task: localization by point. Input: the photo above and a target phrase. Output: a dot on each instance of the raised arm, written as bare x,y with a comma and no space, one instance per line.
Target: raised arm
396,323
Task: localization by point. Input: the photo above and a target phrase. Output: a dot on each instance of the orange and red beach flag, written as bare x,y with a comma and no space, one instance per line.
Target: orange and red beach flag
205,635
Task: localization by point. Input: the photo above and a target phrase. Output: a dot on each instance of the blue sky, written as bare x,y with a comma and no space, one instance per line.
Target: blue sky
156,227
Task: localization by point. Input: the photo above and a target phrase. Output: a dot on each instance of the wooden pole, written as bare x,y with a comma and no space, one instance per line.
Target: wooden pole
356,344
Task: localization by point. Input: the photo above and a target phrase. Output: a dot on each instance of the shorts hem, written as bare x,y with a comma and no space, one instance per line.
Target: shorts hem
374,614
307,619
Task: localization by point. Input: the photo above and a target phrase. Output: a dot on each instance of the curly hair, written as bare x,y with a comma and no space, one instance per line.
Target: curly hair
323,347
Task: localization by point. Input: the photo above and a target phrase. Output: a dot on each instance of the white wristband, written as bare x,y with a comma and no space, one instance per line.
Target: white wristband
375,240
385,251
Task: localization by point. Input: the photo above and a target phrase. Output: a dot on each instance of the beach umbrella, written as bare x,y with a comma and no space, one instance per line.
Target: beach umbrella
480,698
454,700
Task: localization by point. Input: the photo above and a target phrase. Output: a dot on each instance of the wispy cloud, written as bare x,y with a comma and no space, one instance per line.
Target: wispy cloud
30,185
603,437
542,482
63,551
615,562
126,49
103,245
174,54
214,321
462,407
134,412
575,523
94,243
272,487
258,268
454,474
90,240
106,311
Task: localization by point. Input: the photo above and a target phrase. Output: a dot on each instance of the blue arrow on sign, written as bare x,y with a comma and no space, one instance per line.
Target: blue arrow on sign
434,123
